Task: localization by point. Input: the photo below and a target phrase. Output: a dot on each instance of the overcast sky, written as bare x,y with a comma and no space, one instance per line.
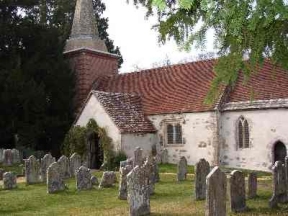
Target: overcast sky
137,41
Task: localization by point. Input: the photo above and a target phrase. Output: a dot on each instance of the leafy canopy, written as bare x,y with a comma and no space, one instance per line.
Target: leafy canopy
243,28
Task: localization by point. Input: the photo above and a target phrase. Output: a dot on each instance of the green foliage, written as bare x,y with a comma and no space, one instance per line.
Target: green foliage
254,29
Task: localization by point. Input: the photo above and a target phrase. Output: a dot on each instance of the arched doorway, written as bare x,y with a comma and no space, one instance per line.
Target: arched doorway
95,152
279,152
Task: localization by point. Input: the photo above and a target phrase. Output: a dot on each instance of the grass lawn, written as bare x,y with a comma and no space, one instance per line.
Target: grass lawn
171,198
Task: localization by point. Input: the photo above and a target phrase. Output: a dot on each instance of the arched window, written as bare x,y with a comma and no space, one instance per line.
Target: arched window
243,133
174,133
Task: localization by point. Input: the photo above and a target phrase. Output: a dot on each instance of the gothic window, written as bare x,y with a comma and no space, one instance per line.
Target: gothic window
243,133
174,133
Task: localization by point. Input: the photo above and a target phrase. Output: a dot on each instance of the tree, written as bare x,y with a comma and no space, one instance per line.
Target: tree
254,29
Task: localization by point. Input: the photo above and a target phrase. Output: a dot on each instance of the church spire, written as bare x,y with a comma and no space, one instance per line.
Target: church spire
84,32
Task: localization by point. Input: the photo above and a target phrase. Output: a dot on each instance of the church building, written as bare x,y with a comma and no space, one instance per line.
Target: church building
245,128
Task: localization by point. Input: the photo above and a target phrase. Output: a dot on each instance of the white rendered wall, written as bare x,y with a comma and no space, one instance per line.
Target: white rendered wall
265,126
95,110
144,141
198,133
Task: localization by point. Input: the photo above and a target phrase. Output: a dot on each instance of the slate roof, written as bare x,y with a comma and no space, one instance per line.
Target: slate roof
126,111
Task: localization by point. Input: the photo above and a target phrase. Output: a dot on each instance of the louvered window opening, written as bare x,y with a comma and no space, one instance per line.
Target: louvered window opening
243,133
174,134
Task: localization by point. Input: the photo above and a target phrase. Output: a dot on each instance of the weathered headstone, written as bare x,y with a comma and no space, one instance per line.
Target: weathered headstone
138,192
63,162
94,180
202,169
138,158
75,163
8,157
1,155
150,173
154,150
108,179
46,161
237,191
32,170
252,185
2,171
16,156
279,185
164,156
156,171
216,185
55,181
83,178
123,181
9,181
182,169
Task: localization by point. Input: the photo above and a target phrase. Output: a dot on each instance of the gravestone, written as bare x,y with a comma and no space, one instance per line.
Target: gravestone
32,170
83,178
156,170
138,192
9,181
182,169
108,179
216,185
237,191
2,171
63,162
138,158
202,169
75,163
279,185
154,150
46,161
123,181
150,173
8,157
55,181
1,155
252,185
16,156
164,156
94,180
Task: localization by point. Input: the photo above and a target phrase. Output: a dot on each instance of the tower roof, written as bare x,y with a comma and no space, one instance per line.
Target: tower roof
84,32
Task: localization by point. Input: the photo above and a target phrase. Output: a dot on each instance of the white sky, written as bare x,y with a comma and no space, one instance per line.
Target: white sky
138,43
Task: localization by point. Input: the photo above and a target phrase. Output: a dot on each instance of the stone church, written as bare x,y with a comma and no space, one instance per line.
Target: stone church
164,106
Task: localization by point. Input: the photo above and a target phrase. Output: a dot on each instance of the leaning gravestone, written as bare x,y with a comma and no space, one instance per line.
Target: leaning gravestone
55,181
63,162
46,161
216,185
202,169
16,156
123,181
108,179
279,185
164,156
8,157
182,169
1,155
138,192
138,158
83,178
32,170
9,181
237,191
75,163
252,185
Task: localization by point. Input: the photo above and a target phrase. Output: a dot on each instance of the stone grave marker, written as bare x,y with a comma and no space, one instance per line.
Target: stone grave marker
94,180
252,185
9,181
2,171
182,169
83,178
237,191
46,161
63,162
138,158
108,179
216,186
202,169
75,163
16,156
150,173
164,156
138,192
55,181
123,181
32,170
156,170
8,157
1,155
279,185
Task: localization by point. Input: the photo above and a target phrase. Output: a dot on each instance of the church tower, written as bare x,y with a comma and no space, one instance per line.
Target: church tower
87,53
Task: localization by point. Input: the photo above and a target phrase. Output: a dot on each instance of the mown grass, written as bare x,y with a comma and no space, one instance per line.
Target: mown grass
171,198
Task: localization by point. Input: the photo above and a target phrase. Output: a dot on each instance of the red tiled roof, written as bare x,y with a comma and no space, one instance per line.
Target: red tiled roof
172,89
126,111
269,82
